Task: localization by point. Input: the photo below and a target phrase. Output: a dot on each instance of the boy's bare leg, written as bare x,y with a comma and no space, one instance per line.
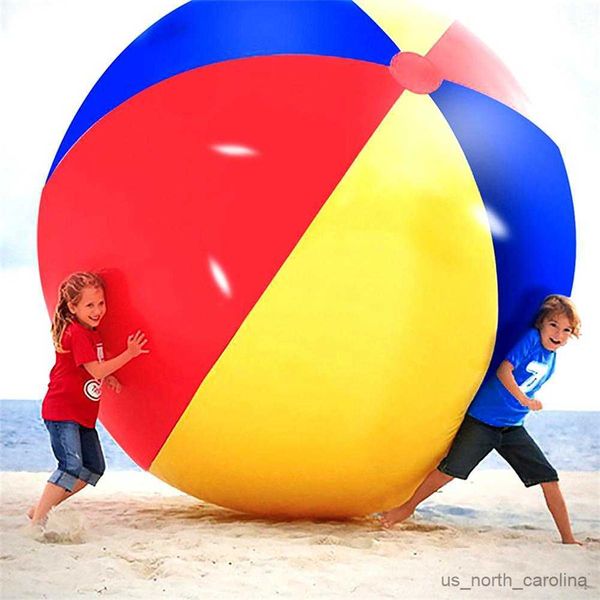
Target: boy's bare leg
52,496
558,510
433,482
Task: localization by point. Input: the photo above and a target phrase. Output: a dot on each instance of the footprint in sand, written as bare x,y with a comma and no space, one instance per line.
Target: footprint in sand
422,527
332,540
510,535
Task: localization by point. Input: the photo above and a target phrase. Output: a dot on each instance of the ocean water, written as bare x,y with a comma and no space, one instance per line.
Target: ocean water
25,444
570,440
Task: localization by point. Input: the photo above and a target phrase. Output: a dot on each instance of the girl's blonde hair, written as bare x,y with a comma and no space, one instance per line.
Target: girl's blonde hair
561,305
70,291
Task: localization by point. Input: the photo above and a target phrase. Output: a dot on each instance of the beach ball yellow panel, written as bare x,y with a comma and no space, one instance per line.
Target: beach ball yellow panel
348,378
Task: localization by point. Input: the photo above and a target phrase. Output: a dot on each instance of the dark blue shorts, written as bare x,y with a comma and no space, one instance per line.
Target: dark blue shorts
475,440
78,452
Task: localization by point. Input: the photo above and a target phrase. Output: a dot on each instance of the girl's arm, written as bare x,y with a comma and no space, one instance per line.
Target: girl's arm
506,377
135,347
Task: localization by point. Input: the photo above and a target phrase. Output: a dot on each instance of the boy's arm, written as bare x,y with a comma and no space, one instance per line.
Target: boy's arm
506,377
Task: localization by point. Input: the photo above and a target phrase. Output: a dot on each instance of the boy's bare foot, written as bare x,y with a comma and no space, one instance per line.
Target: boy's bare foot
396,515
572,541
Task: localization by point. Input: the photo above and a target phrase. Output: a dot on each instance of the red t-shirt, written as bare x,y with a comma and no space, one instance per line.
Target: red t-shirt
73,394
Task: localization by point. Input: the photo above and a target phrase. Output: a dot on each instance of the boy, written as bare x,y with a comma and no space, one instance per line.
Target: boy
495,418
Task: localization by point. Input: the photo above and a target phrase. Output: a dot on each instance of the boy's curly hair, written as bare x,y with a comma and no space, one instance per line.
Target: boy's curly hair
556,304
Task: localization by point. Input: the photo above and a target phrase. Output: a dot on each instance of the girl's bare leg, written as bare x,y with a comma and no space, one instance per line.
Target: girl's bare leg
52,496
558,510
433,482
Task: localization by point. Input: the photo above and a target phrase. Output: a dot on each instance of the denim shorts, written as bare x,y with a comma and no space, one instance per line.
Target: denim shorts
78,452
475,440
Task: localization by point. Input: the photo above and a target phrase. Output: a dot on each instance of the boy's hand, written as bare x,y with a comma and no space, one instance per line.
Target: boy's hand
113,383
136,343
535,405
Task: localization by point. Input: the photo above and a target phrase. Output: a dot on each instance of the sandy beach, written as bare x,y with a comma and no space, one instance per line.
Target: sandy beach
135,537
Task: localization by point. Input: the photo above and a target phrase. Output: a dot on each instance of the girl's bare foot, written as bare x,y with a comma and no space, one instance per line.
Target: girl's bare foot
396,515
40,522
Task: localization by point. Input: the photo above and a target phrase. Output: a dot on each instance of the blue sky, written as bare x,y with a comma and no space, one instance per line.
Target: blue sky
53,51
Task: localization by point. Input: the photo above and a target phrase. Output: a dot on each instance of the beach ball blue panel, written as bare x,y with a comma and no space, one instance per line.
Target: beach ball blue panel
210,31
525,188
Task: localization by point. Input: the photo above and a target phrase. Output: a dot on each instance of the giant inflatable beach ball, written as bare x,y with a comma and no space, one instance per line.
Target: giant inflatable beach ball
331,218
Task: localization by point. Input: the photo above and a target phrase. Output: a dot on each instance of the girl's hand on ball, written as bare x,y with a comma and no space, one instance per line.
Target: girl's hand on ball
136,343
113,383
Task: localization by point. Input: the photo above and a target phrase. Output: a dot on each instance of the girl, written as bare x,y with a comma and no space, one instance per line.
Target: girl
70,407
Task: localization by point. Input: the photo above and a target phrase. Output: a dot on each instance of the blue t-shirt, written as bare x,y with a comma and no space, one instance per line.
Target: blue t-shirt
533,365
